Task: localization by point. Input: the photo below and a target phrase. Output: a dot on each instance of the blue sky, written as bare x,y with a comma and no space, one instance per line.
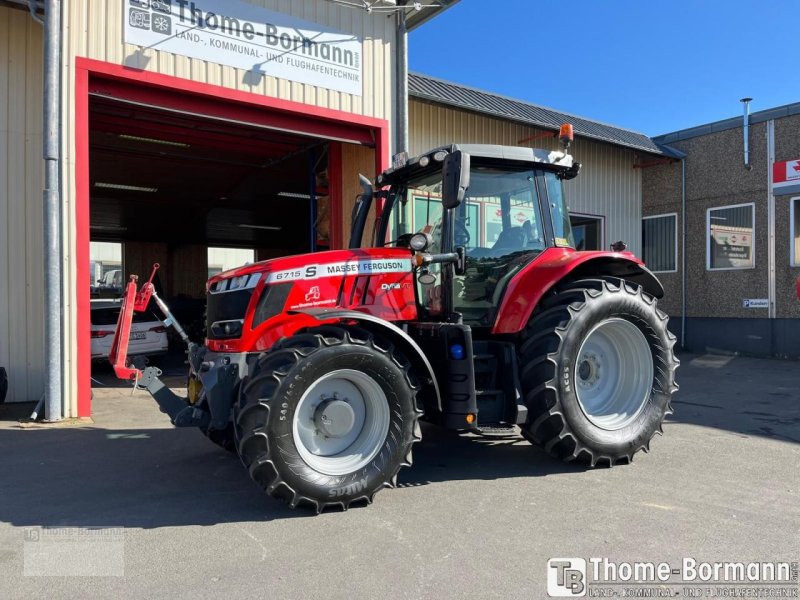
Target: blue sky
650,65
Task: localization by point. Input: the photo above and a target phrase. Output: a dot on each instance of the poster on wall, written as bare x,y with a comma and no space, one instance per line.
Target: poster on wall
245,36
731,247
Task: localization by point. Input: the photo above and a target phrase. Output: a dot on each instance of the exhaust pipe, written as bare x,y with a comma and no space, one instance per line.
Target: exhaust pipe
746,103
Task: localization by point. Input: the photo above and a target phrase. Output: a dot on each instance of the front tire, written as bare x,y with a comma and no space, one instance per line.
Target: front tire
327,418
597,372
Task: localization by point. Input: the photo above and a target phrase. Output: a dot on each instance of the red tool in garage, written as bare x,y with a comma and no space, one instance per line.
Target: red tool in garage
469,308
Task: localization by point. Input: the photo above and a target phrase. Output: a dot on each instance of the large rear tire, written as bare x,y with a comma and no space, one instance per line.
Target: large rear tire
597,369
327,418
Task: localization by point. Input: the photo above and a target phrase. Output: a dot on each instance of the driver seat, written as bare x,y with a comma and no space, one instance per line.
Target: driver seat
513,238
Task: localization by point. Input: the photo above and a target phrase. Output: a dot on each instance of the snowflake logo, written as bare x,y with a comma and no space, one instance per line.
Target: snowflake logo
162,24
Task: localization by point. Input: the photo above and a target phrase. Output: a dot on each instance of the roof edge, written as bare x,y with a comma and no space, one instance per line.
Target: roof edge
531,123
513,99
785,110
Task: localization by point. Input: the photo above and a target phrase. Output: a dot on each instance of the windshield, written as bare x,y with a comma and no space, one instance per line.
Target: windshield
499,224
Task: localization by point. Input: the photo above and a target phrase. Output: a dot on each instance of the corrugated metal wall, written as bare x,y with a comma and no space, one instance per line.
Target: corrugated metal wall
21,182
608,184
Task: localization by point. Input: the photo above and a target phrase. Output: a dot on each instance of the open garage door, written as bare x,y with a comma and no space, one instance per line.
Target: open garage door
196,195
196,177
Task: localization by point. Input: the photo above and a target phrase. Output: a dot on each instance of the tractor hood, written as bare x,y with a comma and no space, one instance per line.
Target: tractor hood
251,307
319,265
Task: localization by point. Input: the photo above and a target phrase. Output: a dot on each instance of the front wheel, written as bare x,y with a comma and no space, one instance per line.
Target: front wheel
597,371
327,418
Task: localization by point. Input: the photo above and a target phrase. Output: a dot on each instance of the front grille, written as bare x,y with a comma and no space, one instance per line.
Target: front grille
228,306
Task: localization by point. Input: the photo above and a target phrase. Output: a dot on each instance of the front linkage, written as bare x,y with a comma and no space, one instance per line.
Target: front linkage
209,407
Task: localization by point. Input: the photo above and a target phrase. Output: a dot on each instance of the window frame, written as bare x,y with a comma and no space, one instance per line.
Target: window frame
601,218
675,253
792,231
752,206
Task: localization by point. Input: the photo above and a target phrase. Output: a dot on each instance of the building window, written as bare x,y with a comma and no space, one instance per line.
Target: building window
105,269
794,235
588,231
224,259
730,237
660,243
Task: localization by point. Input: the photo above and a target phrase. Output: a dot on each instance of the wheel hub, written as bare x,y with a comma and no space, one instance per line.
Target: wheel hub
589,370
334,418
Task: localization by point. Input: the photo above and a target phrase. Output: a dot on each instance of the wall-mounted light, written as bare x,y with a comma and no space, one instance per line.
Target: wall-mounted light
265,227
125,187
137,138
294,195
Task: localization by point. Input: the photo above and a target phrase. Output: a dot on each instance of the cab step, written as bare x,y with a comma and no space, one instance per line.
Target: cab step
496,430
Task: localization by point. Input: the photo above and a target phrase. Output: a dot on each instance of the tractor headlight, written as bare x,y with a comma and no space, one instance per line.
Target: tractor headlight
420,242
225,330
243,282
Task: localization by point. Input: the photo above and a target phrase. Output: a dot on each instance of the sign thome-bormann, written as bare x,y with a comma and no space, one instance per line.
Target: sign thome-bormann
210,21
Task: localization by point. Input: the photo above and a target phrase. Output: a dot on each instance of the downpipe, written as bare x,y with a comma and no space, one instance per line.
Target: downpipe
53,308
401,142
683,253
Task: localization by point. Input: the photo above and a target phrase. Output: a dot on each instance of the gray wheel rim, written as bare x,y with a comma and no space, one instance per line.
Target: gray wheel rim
341,422
613,374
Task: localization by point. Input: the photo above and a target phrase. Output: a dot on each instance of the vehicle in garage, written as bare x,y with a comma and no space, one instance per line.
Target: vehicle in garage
148,335
470,308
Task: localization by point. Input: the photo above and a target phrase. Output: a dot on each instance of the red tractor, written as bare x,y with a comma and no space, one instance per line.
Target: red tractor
469,308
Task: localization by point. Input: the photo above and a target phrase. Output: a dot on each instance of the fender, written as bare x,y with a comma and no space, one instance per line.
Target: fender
375,324
555,265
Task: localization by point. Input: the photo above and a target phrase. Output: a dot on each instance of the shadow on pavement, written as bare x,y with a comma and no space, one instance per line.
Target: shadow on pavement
89,476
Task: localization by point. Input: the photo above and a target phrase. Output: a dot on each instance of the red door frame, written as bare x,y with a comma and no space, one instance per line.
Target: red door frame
183,94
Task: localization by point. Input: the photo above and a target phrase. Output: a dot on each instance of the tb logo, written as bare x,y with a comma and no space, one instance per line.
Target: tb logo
566,577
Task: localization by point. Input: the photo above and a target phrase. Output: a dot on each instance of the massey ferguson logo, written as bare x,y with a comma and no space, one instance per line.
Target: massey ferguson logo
566,577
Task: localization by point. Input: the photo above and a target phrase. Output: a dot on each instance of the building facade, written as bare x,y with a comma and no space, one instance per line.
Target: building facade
737,225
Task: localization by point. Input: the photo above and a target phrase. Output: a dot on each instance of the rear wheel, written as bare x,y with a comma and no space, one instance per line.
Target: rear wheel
598,371
327,418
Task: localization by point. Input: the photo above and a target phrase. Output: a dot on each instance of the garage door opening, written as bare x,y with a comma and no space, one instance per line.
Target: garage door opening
198,196
166,168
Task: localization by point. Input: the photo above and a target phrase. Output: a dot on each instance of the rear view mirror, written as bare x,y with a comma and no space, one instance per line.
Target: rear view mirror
455,179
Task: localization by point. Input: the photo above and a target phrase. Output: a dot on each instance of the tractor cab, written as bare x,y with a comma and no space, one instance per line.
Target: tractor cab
505,207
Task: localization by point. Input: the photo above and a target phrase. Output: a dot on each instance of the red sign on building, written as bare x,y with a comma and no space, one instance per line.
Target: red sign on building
786,175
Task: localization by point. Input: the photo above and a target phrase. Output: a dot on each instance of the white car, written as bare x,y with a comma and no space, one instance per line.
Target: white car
148,334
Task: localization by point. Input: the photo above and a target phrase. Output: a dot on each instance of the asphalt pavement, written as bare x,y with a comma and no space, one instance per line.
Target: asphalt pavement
472,518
